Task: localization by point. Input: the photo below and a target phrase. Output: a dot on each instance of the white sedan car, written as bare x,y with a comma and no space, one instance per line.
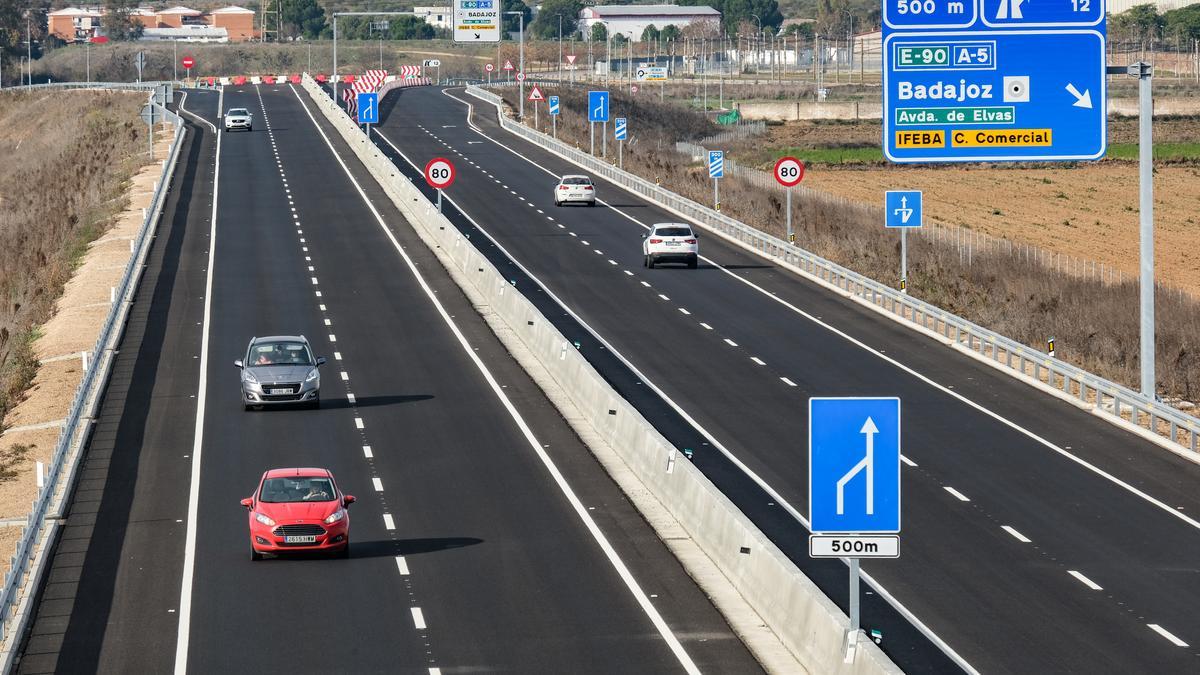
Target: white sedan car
670,242
578,189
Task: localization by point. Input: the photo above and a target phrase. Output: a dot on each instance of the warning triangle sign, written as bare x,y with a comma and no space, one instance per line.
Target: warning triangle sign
535,94
570,58
508,65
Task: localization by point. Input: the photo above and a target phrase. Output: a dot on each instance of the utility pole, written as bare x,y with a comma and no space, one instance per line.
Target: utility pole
521,64
175,60
560,67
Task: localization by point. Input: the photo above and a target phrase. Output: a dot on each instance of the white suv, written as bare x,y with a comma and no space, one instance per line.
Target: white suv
238,118
670,242
575,189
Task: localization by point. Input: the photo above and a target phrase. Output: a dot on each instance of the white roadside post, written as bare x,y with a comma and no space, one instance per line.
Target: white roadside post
789,171
902,210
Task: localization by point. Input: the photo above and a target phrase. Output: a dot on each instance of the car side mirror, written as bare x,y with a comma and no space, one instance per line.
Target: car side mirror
238,363
643,236
347,500
248,502
321,360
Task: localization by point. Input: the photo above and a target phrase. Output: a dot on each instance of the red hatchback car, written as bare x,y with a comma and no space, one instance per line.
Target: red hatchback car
298,510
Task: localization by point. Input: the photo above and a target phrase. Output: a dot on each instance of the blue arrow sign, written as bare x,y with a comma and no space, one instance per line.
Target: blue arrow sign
597,106
902,208
553,100
716,163
619,129
854,465
368,108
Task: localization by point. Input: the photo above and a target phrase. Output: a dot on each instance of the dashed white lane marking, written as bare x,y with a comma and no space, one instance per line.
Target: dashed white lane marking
332,337
418,618
314,280
612,262
598,251
322,307
647,285
758,360
358,422
388,522
351,399
345,376
328,322
787,382
402,565
311,268
706,326
664,297
731,343
584,242
435,671
337,356
628,273
907,461
377,483
573,234
684,311
1016,535
541,211
1085,581
1167,634
367,452
318,294
958,495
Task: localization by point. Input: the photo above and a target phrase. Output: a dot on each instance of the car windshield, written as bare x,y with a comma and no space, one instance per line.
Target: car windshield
576,180
673,231
279,354
297,489
239,111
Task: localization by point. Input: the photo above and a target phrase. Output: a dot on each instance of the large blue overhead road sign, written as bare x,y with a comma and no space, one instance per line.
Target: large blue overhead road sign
368,108
994,80
854,465
597,106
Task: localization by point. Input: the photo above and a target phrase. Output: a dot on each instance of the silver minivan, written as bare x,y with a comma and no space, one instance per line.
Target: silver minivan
280,370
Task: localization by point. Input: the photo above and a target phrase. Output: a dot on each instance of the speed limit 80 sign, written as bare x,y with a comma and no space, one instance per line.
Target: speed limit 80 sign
439,173
789,171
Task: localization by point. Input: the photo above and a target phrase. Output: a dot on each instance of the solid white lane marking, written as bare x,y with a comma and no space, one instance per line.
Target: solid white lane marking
1167,634
731,343
706,326
388,522
358,422
581,511
1016,535
907,461
758,360
1085,581
377,483
402,565
684,311
787,382
367,452
418,618
958,495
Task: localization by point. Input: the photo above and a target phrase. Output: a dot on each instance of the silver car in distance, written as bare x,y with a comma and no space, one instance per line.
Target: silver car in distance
280,370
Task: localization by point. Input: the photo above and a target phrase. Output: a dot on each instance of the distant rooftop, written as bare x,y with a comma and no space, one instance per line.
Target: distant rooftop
232,9
651,10
181,10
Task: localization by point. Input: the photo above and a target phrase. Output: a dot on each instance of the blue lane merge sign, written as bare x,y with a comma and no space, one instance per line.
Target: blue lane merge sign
553,100
597,106
1020,80
620,129
854,465
902,208
368,108
716,163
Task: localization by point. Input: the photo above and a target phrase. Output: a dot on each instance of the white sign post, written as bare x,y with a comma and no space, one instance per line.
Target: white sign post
789,171
439,173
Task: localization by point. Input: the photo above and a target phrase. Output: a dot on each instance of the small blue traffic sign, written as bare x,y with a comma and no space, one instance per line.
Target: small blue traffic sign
368,108
902,208
597,106
620,129
854,465
553,105
716,163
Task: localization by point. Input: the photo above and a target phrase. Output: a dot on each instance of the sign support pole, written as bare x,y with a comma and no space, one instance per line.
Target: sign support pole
621,154
716,194
554,126
151,125
593,126
791,236
604,140
1146,227
852,635
904,260
536,123
439,200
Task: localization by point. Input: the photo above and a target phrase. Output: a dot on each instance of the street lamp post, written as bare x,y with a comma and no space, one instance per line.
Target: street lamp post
521,63
560,47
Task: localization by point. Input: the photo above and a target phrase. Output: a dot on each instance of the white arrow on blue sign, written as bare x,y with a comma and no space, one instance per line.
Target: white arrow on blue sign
716,163
620,129
597,106
368,108
854,465
553,105
902,208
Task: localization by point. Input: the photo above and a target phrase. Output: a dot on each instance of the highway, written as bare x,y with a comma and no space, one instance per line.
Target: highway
1036,536
485,535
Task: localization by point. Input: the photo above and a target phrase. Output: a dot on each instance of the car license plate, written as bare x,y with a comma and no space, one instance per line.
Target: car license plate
672,243
300,539
277,392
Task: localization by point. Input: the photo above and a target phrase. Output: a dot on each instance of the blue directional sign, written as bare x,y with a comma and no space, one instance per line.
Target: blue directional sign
597,106
553,100
620,129
716,163
854,465
368,108
902,208
994,90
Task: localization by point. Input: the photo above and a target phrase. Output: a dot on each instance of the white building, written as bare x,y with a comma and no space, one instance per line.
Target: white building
438,17
631,20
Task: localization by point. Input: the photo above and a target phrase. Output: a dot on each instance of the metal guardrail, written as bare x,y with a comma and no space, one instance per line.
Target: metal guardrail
129,86
1108,397
49,503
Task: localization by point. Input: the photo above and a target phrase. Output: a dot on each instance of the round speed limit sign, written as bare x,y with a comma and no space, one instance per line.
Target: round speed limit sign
489,67
439,173
789,171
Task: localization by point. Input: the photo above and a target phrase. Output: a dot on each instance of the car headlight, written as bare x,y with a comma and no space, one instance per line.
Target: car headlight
264,519
249,377
312,375
335,517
